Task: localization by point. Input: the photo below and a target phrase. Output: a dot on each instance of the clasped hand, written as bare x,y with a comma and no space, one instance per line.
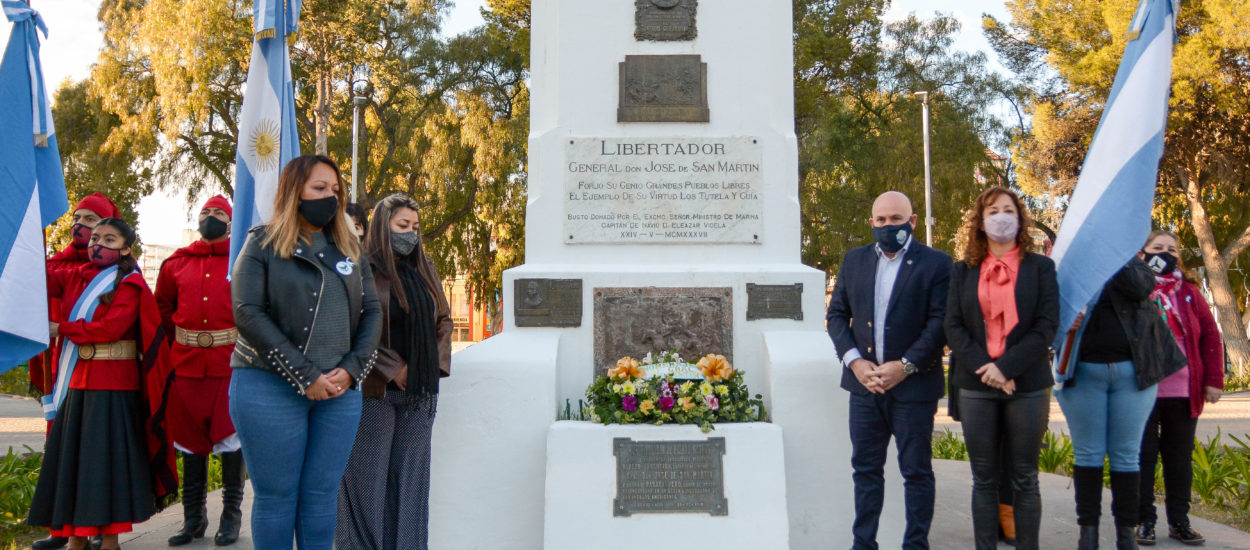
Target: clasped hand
994,378
329,385
878,378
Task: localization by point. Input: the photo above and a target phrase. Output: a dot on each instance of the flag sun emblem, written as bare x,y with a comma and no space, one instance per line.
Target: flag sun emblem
263,145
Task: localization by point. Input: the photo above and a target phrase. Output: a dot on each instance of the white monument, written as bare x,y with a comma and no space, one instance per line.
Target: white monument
662,211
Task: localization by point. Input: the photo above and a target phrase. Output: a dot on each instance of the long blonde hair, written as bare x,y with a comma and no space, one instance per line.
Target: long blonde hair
285,230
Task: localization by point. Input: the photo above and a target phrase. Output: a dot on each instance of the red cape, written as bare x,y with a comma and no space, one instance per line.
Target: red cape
157,377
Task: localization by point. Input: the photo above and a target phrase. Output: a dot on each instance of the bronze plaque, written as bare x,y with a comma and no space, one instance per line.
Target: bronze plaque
775,301
665,20
547,302
663,88
654,477
637,321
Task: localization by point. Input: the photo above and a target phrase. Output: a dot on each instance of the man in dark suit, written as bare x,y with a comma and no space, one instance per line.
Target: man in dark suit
885,319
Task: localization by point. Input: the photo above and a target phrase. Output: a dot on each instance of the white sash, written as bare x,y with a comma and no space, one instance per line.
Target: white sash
84,308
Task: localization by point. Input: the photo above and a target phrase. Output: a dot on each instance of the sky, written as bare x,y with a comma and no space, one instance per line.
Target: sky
74,39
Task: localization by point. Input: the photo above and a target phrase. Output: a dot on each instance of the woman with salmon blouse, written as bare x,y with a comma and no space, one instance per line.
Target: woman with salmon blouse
1001,317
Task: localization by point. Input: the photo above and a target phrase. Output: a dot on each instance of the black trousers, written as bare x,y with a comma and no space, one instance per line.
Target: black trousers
993,421
1170,434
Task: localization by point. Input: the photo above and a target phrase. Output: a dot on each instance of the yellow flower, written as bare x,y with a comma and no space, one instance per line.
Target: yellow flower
616,388
646,406
722,389
628,387
685,387
715,367
627,368
705,388
686,403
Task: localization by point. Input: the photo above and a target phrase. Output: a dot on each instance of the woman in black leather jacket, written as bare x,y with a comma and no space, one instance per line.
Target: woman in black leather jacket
1123,353
308,320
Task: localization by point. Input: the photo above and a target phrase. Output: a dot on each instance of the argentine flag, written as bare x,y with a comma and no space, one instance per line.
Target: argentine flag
1108,218
32,189
268,138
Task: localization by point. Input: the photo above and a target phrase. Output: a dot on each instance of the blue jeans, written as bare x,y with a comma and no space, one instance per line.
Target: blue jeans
874,419
1106,414
296,450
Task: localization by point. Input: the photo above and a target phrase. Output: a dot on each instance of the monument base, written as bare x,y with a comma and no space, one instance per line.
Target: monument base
583,509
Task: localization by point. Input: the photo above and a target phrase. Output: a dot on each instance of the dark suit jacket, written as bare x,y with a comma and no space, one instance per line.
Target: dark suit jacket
1027,356
913,322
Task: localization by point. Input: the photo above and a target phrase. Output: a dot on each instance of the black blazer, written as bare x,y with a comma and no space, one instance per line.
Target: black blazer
913,322
1027,357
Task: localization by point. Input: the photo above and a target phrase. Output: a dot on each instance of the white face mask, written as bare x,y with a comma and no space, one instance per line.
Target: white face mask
1002,227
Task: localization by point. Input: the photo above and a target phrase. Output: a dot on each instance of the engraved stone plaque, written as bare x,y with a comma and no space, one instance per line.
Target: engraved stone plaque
663,88
664,190
655,477
775,301
665,20
636,321
547,302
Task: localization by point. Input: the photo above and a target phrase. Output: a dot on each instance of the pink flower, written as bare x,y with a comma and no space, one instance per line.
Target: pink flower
713,403
666,403
629,403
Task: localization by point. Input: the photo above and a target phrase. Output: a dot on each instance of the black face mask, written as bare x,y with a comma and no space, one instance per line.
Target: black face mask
891,238
404,243
319,212
1162,263
212,228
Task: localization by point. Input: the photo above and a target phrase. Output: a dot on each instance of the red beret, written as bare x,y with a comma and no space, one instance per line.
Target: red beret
99,204
219,202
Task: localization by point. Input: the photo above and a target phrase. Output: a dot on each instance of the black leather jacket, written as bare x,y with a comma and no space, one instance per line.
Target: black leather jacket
1155,352
276,302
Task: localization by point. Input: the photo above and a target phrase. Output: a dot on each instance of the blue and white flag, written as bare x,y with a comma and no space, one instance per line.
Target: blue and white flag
268,137
1108,218
32,188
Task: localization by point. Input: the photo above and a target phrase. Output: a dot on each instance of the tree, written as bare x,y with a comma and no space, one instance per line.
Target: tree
446,118
859,125
1204,176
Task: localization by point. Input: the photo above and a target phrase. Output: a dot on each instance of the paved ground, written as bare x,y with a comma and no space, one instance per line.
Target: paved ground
21,423
952,524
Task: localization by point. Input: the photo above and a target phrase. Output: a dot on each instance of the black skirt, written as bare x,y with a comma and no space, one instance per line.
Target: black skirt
95,465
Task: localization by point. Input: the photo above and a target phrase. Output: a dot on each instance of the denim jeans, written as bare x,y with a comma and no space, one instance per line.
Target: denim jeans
1107,414
296,450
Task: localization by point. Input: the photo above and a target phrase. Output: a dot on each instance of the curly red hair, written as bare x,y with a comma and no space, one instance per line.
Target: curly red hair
976,244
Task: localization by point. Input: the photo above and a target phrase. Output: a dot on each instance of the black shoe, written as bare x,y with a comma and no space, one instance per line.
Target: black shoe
95,542
194,513
1089,538
50,543
1146,534
1184,533
233,472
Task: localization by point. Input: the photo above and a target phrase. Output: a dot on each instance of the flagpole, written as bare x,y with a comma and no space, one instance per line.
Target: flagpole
928,181
358,103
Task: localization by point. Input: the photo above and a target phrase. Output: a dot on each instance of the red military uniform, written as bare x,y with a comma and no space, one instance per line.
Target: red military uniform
194,298
71,257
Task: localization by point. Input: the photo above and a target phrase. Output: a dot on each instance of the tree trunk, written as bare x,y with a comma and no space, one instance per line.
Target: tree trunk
322,112
1222,297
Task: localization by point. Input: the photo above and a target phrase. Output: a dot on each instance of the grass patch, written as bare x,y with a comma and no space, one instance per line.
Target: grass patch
18,475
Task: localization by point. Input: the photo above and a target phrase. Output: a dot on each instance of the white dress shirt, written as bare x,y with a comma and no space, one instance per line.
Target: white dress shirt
887,273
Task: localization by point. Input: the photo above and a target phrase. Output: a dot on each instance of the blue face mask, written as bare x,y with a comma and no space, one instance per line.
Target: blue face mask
892,237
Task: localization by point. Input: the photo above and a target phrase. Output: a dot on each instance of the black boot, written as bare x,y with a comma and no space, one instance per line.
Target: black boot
232,475
50,543
1124,503
1089,538
1088,484
194,513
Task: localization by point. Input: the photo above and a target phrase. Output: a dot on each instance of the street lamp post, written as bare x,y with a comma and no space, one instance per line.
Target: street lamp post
928,179
358,103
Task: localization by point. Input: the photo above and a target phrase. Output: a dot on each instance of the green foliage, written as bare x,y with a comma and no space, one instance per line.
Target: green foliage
949,446
18,475
1057,455
16,381
859,124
